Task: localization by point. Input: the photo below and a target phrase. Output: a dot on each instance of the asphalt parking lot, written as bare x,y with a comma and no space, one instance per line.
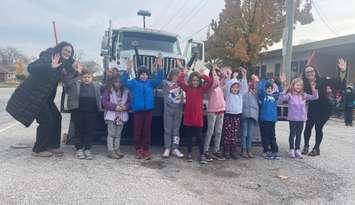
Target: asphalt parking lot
327,179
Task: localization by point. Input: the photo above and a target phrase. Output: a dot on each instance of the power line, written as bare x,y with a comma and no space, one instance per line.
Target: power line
165,10
324,20
192,13
176,15
196,32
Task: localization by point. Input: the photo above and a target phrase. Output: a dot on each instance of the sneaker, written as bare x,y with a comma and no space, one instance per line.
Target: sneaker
203,159
147,155
267,155
298,154
42,154
88,154
119,153
250,154
208,157
291,153
234,154
177,153
80,154
166,153
57,152
189,157
218,156
113,155
139,154
275,156
245,154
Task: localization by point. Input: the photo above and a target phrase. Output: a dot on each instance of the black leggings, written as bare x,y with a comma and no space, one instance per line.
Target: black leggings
191,132
319,123
49,128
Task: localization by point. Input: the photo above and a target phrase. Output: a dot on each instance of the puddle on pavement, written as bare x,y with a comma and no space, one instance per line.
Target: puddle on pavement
154,164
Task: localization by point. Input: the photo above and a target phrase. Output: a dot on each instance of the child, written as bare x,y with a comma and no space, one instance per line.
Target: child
142,103
115,102
84,102
193,112
215,114
268,94
348,106
173,101
297,112
250,117
233,94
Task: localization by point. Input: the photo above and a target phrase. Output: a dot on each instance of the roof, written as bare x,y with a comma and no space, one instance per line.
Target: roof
332,42
147,30
7,68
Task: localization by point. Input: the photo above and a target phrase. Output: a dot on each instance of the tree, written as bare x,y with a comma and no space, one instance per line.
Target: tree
245,28
20,70
9,56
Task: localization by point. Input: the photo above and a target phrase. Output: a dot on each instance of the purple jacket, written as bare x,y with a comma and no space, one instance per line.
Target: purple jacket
297,107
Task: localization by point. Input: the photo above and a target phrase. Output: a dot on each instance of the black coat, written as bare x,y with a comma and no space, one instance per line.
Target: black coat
39,88
322,107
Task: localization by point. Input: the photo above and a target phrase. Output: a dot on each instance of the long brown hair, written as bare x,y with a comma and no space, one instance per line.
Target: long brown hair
192,75
112,82
172,73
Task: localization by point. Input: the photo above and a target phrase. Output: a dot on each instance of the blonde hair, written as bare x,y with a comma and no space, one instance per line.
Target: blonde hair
293,83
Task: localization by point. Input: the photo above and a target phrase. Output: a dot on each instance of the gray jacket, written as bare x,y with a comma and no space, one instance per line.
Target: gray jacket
72,91
250,106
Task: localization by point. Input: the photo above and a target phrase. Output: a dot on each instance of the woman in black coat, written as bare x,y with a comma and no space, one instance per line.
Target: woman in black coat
34,98
319,110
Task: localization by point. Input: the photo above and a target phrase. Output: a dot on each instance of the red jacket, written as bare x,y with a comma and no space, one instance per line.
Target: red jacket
193,111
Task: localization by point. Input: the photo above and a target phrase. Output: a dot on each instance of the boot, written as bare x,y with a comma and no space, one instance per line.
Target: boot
233,152
227,152
315,152
305,150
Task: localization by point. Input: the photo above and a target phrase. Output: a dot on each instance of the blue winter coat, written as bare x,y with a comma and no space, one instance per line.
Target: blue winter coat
268,103
142,92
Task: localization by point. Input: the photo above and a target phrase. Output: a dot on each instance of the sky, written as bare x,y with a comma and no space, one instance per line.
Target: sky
27,24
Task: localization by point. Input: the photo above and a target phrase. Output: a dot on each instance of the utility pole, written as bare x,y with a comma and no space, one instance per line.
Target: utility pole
287,38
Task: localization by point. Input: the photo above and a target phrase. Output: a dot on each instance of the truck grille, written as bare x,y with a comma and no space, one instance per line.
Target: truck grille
148,61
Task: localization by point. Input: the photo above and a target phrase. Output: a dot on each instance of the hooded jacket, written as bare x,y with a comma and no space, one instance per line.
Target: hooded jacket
268,102
234,102
216,102
142,92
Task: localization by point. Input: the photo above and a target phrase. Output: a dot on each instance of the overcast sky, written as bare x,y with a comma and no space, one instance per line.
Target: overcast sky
26,24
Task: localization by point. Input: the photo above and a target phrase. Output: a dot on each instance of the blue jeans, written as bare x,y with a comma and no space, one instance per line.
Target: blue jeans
247,138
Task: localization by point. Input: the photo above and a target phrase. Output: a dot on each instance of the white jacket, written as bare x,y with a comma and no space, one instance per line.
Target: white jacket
234,102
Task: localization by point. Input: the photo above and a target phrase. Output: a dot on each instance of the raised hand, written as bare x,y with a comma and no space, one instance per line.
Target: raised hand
179,64
283,77
243,71
235,75
77,66
55,61
342,64
129,65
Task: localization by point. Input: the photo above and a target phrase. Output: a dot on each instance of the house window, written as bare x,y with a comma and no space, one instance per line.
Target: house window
263,71
277,69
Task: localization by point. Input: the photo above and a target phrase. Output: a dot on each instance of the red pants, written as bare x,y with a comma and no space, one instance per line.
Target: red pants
142,121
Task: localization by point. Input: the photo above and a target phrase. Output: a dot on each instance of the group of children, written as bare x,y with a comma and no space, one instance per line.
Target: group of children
234,108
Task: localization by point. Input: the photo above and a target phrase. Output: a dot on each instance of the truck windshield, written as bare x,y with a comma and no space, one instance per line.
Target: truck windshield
147,41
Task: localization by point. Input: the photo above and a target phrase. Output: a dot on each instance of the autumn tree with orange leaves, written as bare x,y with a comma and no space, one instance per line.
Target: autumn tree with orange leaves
247,27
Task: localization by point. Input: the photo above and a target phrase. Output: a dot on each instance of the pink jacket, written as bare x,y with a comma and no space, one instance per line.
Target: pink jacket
216,102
